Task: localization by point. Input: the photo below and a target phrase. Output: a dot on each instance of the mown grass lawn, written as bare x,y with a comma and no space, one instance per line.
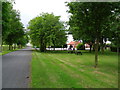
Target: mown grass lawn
63,70
5,50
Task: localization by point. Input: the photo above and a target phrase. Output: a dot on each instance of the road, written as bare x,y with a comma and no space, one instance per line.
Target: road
16,69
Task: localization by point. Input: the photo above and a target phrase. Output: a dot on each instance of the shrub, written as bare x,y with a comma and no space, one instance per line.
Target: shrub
55,46
113,48
80,46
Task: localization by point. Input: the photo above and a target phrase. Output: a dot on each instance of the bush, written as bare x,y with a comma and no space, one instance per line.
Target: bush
65,46
80,46
114,49
55,47
36,46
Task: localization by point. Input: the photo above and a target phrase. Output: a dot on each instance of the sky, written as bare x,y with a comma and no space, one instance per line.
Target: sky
32,8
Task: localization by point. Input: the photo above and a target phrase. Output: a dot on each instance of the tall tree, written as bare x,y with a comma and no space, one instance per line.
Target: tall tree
45,29
89,19
115,32
6,16
12,28
15,28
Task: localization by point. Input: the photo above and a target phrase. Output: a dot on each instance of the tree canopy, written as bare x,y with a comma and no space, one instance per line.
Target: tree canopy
93,21
47,30
12,29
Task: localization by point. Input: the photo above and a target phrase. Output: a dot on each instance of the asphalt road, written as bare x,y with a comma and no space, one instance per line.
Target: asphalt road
16,69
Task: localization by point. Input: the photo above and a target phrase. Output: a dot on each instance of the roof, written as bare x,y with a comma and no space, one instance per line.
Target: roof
74,43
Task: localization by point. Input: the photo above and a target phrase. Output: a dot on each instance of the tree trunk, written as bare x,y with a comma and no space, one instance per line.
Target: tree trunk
90,48
19,46
118,47
102,45
49,46
14,46
53,44
118,51
42,47
96,52
1,47
102,49
10,47
91,44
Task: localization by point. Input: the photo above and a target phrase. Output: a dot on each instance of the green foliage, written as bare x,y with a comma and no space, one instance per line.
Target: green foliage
90,21
113,45
80,46
12,29
16,29
115,49
23,40
47,30
6,17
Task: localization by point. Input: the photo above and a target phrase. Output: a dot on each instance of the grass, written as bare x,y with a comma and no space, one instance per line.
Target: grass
63,70
5,50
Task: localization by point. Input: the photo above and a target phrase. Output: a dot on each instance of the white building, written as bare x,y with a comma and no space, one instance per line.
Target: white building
69,38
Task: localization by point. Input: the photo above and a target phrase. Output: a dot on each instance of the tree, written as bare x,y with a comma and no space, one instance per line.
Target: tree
16,29
58,35
89,19
12,28
6,15
115,32
45,30
23,40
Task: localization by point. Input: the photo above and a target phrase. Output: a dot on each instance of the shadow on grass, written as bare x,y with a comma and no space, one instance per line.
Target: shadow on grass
106,53
61,51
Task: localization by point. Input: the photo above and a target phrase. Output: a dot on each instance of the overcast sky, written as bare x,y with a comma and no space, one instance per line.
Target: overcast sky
32,8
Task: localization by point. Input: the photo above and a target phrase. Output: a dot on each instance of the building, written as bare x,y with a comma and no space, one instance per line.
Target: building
69,38
73,43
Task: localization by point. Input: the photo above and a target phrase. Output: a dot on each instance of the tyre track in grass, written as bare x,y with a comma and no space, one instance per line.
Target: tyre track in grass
69,67
61,78
66,78
40,77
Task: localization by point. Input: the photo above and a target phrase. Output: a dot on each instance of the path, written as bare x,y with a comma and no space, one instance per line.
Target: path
16,68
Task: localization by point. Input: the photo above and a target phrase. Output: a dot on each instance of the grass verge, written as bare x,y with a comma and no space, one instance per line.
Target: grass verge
5,50
63,70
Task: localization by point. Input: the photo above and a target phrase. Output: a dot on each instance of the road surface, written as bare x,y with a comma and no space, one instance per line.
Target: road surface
16,69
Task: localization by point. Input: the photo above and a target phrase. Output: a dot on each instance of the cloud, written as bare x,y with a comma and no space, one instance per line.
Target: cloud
32,8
